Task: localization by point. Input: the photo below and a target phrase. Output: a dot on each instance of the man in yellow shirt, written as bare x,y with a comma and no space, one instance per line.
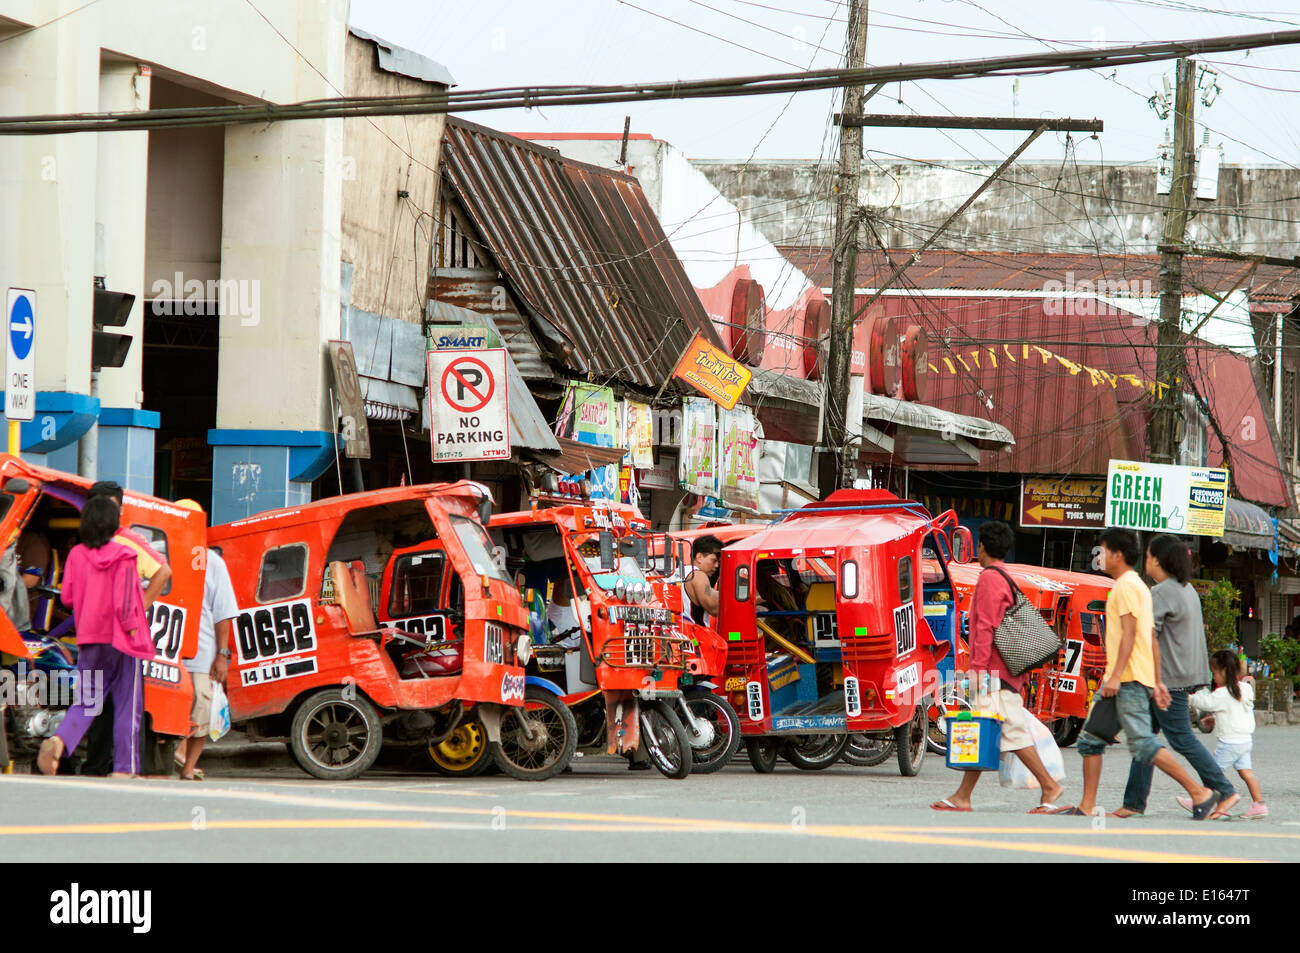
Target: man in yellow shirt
1132,679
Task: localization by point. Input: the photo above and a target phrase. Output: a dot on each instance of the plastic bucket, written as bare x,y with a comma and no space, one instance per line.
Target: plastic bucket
974,741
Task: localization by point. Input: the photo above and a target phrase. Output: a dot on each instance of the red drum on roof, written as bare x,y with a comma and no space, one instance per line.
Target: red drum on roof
816,322
915,363
882,356
748,314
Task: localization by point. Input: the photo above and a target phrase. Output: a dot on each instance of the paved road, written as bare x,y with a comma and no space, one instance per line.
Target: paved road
602,811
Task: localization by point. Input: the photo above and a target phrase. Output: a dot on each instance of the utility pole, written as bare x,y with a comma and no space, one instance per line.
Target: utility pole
836,468
1170,357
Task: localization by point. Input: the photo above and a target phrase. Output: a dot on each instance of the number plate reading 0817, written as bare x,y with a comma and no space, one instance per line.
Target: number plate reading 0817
273,631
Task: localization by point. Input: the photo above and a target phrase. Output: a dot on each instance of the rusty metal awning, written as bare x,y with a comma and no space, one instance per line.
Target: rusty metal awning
578,458
582,248
1247,526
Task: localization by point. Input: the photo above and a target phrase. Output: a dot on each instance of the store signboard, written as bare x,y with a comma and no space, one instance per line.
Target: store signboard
1063,502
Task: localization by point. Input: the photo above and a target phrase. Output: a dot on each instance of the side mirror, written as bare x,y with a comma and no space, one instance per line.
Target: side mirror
607,560
963,548
641,552
17,486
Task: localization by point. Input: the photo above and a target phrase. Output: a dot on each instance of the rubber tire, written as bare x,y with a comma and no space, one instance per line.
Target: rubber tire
909,764
826,756
850,755
560,716
669,723
301,750
445,759
762,754
1068,734
719,759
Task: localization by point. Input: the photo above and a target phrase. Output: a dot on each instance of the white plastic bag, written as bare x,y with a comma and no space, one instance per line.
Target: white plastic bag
219,722
1012,772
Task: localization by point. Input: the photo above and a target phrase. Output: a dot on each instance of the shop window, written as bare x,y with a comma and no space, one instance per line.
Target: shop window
283,574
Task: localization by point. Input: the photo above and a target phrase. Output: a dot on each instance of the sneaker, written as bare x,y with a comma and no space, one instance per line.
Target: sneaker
1255,811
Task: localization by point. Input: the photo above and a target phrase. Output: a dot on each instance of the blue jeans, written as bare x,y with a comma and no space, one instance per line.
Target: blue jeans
1177,727
1134,707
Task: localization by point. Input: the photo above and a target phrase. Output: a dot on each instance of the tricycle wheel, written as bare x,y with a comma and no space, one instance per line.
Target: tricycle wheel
546,748
335,737
814,752
462,754
938,734
912,739
762,754
1066,731
724,725
667,744
865,751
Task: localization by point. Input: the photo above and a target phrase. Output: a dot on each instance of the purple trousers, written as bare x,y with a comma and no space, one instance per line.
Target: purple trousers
121,681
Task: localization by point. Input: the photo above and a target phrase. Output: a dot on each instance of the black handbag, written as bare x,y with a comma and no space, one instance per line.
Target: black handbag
1103,720
1022,638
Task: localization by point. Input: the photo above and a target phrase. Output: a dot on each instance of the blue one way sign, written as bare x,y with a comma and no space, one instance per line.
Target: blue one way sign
20,357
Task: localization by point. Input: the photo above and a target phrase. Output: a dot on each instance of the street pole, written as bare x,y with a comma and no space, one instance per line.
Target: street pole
1170,357
836,467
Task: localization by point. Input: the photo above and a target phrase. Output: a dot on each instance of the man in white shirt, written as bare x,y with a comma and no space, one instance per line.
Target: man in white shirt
562,617
211,661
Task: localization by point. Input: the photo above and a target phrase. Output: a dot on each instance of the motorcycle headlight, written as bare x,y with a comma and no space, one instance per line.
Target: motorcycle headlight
642,593
524,649
620,591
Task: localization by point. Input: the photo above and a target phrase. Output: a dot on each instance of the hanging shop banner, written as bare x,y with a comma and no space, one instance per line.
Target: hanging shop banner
638,434
713,372
739,460
699,471
628,490
589,414
1062,502
352,406
659,476
469,409
1156,497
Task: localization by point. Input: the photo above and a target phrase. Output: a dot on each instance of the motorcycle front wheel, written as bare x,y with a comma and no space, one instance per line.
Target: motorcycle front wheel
667,743
717,751
546,748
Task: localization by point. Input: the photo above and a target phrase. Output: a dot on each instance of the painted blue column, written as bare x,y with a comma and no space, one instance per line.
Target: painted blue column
258,470
126,447
61,420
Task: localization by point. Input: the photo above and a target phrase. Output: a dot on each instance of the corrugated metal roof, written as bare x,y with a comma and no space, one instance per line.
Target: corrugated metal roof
475,290
945,269
581,247
1072,388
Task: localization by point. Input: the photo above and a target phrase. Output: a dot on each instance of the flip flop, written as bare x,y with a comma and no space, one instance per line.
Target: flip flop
947,805
1070,811
1123,816
1203,810
1220,816
1044,809
1227,804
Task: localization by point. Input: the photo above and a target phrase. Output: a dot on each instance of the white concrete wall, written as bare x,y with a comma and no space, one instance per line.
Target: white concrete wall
282,200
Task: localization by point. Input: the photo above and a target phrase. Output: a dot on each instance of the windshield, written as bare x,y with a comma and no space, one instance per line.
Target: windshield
624,566
478,547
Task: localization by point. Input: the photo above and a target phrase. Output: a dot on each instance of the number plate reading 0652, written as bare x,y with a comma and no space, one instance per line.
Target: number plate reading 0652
273,631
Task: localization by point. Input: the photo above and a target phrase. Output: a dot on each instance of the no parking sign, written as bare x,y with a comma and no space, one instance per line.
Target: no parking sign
469,409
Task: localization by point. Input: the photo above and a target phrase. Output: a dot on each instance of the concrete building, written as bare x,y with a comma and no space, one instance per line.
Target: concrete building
1035,206
246,247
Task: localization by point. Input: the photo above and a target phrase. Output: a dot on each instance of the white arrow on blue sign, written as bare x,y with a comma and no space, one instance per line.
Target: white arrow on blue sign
20,357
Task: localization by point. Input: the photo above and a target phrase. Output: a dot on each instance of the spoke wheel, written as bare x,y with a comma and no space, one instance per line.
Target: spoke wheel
666,741
464,753
938,735
865,751
1065,731
723,728
335,738
912,739
814,752
546,747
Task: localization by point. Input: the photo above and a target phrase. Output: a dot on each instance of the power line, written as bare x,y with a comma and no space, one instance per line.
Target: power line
530,97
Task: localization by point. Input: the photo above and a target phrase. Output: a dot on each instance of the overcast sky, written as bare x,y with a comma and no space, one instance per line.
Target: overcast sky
526,42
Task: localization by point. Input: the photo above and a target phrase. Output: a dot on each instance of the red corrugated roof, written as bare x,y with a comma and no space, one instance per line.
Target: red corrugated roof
1073,388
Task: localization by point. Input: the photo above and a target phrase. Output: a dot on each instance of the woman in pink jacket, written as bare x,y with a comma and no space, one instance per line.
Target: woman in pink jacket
101,586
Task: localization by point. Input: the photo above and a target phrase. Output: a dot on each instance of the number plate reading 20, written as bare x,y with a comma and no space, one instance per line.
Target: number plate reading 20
269,632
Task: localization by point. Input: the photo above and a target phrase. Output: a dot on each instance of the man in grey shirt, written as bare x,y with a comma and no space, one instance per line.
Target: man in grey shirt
1183,667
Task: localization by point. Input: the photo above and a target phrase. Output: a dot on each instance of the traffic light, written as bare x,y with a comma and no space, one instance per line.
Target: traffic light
112,308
